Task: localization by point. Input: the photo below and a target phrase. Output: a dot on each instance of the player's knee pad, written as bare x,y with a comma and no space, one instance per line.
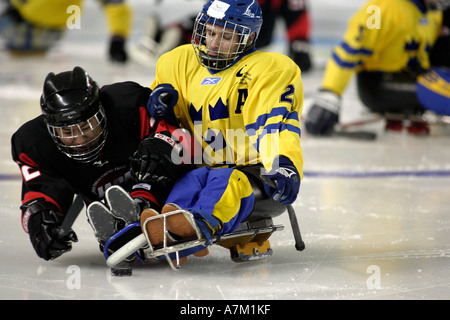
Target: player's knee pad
433,90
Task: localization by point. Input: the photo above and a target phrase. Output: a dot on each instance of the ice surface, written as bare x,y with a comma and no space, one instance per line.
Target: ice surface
374,215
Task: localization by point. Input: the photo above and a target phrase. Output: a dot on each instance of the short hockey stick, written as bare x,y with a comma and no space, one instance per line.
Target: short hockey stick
71,215
357,135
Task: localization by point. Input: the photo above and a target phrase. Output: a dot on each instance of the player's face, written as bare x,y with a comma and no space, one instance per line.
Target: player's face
81,136
221,42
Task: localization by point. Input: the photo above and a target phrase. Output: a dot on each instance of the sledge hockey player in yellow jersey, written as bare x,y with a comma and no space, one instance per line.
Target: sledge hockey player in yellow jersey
238,102
243,107
387,45
32,26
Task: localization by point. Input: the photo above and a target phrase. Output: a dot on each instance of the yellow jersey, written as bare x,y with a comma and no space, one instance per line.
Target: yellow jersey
53,13
246,114
386,36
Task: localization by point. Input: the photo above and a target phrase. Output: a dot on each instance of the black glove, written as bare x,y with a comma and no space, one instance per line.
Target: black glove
324,113
44,228
157,160
117,51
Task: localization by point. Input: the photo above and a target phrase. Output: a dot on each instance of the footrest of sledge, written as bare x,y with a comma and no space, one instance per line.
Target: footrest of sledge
250,240
250,251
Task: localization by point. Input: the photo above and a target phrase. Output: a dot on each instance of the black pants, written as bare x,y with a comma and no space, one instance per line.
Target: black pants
440,53
389,92
265,206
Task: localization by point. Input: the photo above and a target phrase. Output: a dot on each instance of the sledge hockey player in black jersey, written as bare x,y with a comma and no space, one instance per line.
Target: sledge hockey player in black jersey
81,145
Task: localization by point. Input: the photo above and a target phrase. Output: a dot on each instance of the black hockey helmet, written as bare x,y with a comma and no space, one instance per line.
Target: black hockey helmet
71,106
69,97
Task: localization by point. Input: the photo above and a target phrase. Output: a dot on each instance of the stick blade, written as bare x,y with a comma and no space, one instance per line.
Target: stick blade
356,135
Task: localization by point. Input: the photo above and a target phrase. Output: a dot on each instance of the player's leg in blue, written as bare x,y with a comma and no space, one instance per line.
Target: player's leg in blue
221,198
218,199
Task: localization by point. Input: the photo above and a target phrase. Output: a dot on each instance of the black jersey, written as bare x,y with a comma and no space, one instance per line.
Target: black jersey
48,173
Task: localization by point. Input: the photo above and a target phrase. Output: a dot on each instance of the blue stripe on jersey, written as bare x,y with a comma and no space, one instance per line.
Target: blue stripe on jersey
262,119
353,51
273,127
345,64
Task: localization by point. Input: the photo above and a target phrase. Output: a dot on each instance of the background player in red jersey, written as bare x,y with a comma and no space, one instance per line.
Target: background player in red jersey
82,144
298,26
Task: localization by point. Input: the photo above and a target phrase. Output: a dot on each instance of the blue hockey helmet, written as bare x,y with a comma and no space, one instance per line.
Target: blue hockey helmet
241,20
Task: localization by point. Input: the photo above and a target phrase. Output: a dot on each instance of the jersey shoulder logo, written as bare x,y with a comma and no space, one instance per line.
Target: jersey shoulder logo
239,73
210,81
244,76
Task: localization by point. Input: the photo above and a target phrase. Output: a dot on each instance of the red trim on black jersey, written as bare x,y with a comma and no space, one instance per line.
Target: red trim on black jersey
145,122
27,160
31,195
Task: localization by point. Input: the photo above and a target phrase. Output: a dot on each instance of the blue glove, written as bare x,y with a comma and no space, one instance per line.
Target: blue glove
283,183
162,100
323,114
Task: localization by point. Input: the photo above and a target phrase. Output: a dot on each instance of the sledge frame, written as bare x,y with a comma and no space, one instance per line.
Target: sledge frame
249,231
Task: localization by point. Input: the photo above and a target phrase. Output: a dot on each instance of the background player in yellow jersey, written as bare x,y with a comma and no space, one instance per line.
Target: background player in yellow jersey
31,26
243,106
387,45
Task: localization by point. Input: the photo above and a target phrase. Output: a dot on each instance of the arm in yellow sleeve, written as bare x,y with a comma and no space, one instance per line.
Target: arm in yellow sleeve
273,120
358,45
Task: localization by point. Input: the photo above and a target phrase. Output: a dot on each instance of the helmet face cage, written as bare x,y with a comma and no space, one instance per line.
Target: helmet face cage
81,141
231,41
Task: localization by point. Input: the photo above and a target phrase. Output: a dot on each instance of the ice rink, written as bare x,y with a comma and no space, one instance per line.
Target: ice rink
374,215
